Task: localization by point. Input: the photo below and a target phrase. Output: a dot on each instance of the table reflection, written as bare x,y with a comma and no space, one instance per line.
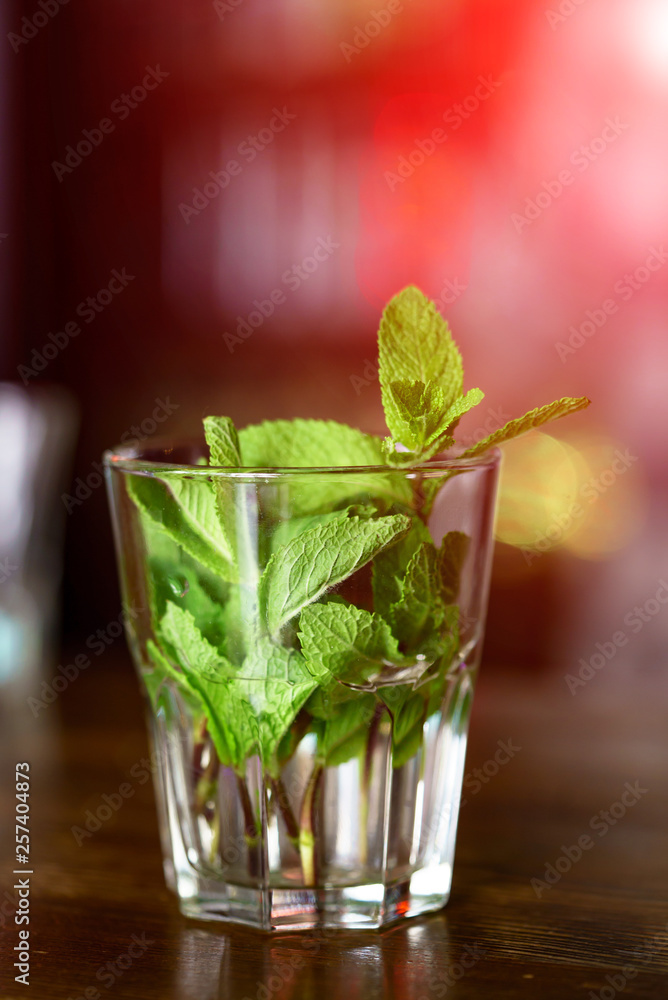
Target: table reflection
231,964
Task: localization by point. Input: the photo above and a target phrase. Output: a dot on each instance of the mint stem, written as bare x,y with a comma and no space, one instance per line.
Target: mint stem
307,838
207,777
419,498
291,824
366,779
250,827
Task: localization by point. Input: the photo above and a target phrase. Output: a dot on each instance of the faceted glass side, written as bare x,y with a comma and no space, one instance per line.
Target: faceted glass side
351,820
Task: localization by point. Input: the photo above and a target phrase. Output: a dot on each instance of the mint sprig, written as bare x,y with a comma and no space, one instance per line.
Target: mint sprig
321,608
304,569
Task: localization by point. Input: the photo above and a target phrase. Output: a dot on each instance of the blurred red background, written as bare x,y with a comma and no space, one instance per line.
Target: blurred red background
508,157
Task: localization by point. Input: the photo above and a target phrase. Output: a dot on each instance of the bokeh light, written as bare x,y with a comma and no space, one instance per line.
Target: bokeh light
584,494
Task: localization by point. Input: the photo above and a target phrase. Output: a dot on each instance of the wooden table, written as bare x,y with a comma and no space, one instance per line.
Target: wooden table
601,930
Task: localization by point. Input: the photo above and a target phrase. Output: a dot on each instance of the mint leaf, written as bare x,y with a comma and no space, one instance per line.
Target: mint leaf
286,531
304,569
344,734
162,671
208,674
415,343
389,568
417,409
459,408
534,418
186,511
276,683
421,378
451,556
408,729
321,444
427,425
223,441
419,612
344,643
249,710
307,443
173,575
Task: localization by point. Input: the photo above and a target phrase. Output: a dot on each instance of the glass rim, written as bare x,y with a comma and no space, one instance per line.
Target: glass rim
128,458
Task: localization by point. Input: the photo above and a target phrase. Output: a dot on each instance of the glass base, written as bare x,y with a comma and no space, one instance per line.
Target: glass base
367,906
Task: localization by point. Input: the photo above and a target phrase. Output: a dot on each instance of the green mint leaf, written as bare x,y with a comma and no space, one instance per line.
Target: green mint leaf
162,671
303,570
249,710
173,575
428,431
534,418
209,676
408,729
276,683
223,441
343,735
321,444
461,406
344,643
410,707
419,613
194,654
415,345
304,443
418,408
389,568
186,511
286,531
451,555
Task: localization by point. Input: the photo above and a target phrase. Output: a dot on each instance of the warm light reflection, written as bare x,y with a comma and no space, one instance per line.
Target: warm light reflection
614,499
645,25
539,482
585,495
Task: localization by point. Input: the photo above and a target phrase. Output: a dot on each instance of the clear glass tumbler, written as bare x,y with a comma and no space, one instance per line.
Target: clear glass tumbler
308,641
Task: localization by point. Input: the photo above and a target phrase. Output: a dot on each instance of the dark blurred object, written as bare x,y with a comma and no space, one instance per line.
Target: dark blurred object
37,431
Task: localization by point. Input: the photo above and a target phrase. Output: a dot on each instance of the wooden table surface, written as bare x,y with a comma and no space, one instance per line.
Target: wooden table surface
601,930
